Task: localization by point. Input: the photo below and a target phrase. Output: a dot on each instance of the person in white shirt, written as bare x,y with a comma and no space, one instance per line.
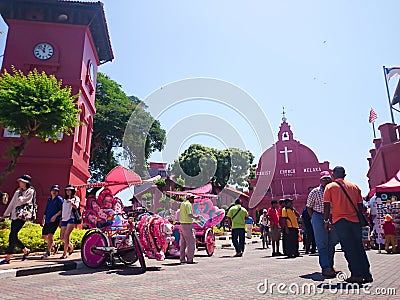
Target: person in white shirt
67,219
264,226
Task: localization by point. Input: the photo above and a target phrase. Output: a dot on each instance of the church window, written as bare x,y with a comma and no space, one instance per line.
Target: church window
88,134
285,136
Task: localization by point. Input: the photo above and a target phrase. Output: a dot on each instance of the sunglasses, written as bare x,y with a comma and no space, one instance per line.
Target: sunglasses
326,179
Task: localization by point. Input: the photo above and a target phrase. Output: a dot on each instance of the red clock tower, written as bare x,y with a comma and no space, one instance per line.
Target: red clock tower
68,39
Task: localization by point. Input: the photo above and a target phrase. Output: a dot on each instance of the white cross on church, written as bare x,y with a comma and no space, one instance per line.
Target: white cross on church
286,152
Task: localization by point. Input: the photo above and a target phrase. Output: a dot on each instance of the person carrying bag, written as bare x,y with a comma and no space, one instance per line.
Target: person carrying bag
20,209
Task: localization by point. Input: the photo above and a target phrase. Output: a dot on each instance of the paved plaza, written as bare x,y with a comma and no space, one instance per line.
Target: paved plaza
218,277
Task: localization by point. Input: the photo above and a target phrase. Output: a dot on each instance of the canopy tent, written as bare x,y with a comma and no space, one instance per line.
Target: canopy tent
392,186
119,179
201,192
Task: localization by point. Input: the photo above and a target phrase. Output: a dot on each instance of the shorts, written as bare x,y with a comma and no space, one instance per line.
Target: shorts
50,228
65,223
275,233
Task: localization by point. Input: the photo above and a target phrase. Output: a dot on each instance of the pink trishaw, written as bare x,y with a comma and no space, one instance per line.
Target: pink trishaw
112,233
210,216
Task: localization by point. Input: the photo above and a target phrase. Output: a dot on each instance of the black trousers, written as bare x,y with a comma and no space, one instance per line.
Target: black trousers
291,241
238,235
309,239
13,240
350,238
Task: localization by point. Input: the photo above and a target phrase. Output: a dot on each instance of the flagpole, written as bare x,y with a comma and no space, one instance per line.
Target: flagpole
373,128
388,94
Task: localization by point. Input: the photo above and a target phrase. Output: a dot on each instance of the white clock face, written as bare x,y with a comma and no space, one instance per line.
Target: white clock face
43,51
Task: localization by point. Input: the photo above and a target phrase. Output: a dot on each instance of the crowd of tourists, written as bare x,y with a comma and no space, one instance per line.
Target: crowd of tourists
60,211
332,215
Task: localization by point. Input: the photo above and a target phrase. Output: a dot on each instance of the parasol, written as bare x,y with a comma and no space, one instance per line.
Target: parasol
119,179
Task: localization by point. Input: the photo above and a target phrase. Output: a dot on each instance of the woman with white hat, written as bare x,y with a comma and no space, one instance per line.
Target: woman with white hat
67,218
23,195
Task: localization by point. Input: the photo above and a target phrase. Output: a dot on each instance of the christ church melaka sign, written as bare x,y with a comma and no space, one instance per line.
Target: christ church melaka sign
289,172
312,170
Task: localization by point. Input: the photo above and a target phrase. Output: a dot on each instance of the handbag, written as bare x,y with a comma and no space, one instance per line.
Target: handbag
361,217
24,212
77,215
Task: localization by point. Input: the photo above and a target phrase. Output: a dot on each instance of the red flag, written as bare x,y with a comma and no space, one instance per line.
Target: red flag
372,115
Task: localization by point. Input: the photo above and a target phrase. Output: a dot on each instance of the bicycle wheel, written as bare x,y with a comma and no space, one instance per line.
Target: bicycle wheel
209,240
127,252
139,252
92,257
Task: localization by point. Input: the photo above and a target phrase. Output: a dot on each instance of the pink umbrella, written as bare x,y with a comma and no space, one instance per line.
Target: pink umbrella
119,179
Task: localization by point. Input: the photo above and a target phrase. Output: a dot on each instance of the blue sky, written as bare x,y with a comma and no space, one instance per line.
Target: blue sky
321,60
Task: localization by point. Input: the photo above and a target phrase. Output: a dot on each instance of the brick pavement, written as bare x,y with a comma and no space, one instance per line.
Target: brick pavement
218,277
53,263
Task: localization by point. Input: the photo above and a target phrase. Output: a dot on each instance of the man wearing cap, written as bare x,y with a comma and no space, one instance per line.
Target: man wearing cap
325,239
51,219
344,198
187,239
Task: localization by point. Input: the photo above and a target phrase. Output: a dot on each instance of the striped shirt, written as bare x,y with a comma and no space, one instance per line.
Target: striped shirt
315,199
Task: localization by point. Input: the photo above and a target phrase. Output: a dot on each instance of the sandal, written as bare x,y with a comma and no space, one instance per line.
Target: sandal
25,256
4,262
54,249
72,249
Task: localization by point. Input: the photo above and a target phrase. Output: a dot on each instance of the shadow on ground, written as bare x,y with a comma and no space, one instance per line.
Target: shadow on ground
117,269
316,276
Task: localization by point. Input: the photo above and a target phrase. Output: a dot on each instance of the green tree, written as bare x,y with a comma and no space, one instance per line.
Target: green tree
179,183
114,109
163,199
143,135
160,183
148,200
34,105
202,164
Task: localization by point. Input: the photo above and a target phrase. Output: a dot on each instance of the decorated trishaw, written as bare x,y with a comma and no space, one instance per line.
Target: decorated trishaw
113,233
210,216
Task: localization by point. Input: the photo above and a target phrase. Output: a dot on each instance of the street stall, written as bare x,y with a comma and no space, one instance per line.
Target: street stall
384,201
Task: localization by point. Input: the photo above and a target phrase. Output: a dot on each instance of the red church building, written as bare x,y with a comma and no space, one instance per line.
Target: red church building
384,162
68,39
288,169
